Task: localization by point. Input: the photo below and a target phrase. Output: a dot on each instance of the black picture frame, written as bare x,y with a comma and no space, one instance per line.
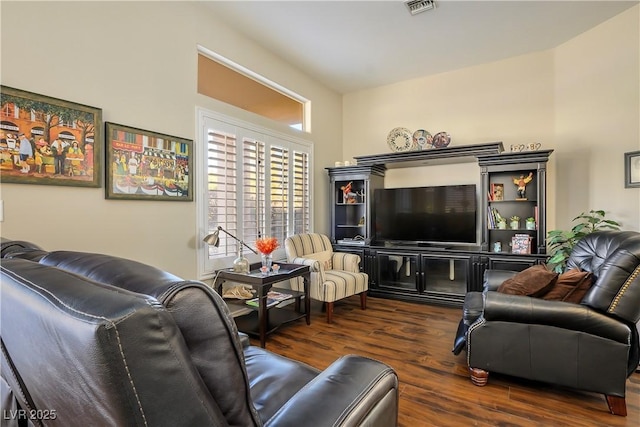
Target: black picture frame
146,165
49,124
632,169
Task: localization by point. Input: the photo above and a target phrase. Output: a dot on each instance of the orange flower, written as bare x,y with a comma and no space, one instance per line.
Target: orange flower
266,245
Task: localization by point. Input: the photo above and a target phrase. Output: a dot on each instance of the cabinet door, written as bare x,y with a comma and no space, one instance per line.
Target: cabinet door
444,275
397,272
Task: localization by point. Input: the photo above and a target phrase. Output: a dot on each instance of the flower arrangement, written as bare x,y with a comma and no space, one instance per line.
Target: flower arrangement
266,245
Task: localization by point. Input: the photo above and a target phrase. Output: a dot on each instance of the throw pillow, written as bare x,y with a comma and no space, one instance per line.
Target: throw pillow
534,281
571,286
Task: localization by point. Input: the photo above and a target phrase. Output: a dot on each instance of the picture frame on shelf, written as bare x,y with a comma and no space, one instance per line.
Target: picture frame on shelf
146,165
497,192
49,141
632,169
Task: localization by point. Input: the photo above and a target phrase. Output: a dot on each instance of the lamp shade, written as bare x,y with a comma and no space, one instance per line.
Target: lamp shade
212,239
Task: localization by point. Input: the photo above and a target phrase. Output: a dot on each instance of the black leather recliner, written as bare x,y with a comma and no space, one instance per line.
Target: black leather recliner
591,346
91,339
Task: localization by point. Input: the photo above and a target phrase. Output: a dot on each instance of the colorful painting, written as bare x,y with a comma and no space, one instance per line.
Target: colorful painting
146,165
46,140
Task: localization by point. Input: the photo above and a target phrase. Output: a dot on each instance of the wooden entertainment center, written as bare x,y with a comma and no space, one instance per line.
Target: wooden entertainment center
442,273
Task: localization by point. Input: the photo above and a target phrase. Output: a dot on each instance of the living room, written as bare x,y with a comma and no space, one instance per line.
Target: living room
137,61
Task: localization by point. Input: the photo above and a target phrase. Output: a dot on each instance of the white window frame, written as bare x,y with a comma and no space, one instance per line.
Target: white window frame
305,126
210,119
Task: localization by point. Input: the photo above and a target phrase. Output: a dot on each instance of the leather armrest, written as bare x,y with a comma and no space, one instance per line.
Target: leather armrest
494,278
499,307
345,393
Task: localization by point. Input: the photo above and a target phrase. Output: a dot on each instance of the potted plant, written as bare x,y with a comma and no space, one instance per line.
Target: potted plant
530,223
561,242
514,222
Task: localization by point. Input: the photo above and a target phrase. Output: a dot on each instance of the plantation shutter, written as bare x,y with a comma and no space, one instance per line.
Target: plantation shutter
257,185
253,190
279,192
301,198
222,209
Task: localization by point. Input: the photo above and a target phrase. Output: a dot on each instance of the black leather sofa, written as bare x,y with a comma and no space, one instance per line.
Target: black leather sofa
591,346
92,339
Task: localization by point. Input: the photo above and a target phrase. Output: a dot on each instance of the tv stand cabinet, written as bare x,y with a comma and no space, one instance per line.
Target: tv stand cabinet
427,273
439,276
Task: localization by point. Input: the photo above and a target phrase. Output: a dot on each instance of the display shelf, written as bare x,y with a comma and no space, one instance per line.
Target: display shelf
500,175
352,190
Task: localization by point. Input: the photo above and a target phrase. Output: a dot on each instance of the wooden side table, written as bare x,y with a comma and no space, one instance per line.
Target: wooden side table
261,324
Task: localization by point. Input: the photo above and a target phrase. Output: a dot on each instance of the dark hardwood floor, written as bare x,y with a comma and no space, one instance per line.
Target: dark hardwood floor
435,389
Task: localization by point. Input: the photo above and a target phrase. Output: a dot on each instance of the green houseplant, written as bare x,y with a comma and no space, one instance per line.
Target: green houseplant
561,242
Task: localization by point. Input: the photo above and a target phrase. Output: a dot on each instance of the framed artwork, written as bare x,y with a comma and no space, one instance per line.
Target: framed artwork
145,165
632,169
45,140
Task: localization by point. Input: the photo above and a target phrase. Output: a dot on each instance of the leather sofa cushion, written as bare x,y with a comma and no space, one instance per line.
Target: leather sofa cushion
270,388
534,281
571,286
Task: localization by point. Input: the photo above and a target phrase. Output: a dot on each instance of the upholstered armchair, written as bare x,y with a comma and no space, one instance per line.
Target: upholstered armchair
334,275
589,345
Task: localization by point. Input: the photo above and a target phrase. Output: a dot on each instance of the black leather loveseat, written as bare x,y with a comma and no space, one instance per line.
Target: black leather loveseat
91,339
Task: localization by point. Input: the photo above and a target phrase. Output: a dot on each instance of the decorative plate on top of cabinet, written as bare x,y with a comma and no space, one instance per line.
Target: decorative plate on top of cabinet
441,139
423,139
400,139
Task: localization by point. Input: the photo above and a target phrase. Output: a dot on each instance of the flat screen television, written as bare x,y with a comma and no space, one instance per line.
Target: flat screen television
439,214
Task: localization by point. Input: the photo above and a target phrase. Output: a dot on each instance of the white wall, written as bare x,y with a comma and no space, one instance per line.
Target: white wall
580,99
138,62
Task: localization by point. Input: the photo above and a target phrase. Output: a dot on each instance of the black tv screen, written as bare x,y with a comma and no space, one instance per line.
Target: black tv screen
442,214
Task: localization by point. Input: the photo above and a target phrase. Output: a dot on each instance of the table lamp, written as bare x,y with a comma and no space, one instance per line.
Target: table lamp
240,264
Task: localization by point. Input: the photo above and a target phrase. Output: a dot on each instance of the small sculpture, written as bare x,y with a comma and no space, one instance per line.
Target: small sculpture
522,185
348,196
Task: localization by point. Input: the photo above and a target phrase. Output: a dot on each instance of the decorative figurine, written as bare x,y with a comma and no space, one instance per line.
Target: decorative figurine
522,185
348,196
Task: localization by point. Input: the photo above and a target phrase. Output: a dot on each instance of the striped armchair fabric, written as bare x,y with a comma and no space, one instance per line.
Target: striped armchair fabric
334,275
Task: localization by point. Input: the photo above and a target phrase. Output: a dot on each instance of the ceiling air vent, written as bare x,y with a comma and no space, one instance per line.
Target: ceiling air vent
417,6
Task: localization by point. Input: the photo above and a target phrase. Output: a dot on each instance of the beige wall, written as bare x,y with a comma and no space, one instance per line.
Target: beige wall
580,99
597,86
137,61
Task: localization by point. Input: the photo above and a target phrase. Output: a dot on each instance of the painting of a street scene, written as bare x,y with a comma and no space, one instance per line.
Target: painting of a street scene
45,140
145,165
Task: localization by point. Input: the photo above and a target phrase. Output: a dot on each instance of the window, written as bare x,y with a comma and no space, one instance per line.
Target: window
255,182
226,81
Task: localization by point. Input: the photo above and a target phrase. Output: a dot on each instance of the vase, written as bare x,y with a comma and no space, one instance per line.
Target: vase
515,225
531,225
267,260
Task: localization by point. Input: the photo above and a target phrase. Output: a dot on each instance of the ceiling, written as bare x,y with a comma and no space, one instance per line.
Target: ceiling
354,45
